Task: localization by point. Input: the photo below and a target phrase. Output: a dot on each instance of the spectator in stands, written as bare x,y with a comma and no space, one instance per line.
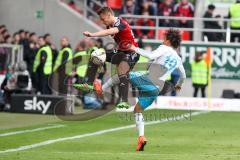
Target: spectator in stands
94,6
89,42
131,21
22,34
212,36
209,14
4,58
42,66
145,33
23,39
33,39
2,27
219,35
184,9
48,39
235,24
80,60
199,74
33,48
130,8
73,5
5,33
8,39
24,42
148,6
99,43
101,72
1,39
63,65
165,8
81,46
16,38
27,35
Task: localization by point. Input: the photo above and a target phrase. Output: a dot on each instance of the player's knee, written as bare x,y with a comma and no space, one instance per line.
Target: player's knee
123,68
137,108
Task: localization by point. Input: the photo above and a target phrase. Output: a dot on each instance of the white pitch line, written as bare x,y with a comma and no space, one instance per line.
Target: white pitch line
30,130
183,116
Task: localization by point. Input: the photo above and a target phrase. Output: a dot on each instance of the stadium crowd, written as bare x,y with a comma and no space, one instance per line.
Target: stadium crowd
177,8
183,8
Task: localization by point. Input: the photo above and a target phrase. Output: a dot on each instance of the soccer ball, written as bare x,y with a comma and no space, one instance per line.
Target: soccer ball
98,56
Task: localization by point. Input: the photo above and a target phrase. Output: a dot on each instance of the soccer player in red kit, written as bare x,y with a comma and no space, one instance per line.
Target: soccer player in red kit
123,57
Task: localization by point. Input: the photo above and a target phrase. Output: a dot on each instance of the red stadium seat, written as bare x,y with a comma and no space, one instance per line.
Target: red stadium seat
185,35
114,4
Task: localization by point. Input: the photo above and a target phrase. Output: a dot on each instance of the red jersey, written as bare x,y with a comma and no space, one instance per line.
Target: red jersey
184,10
125,35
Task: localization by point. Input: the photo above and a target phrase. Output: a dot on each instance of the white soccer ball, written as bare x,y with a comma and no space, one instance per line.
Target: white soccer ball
98,56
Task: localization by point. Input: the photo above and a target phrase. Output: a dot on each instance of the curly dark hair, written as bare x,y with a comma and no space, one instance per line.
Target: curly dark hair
174,37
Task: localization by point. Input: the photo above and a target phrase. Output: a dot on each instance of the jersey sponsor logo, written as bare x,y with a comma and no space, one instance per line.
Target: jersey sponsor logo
36,105
117,23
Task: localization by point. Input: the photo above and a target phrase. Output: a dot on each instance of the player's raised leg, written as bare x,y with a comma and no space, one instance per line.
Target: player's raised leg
147,94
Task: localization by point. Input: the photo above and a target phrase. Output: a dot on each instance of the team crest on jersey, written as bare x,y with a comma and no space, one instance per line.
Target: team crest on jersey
117,23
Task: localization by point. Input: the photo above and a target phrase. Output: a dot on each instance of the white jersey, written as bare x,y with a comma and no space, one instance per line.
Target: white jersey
167,59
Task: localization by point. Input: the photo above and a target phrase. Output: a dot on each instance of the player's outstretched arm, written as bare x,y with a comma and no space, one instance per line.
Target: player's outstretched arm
102,33
149,54
182,77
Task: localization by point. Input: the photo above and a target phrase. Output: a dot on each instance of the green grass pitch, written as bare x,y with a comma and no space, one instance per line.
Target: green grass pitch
214,136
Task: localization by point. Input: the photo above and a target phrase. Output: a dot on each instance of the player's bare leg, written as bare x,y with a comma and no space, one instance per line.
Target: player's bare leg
140,127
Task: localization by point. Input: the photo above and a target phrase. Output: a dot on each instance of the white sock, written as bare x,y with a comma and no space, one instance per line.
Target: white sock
112,81
139,123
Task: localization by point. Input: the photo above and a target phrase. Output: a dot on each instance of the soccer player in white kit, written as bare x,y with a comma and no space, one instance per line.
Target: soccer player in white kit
165,60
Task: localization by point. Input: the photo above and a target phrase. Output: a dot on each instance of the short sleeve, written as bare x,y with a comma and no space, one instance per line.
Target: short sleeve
120,25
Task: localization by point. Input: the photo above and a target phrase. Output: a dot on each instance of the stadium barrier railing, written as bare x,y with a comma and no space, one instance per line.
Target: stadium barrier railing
158,28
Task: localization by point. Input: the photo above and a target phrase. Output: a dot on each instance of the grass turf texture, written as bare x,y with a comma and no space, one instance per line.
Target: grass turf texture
213,135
